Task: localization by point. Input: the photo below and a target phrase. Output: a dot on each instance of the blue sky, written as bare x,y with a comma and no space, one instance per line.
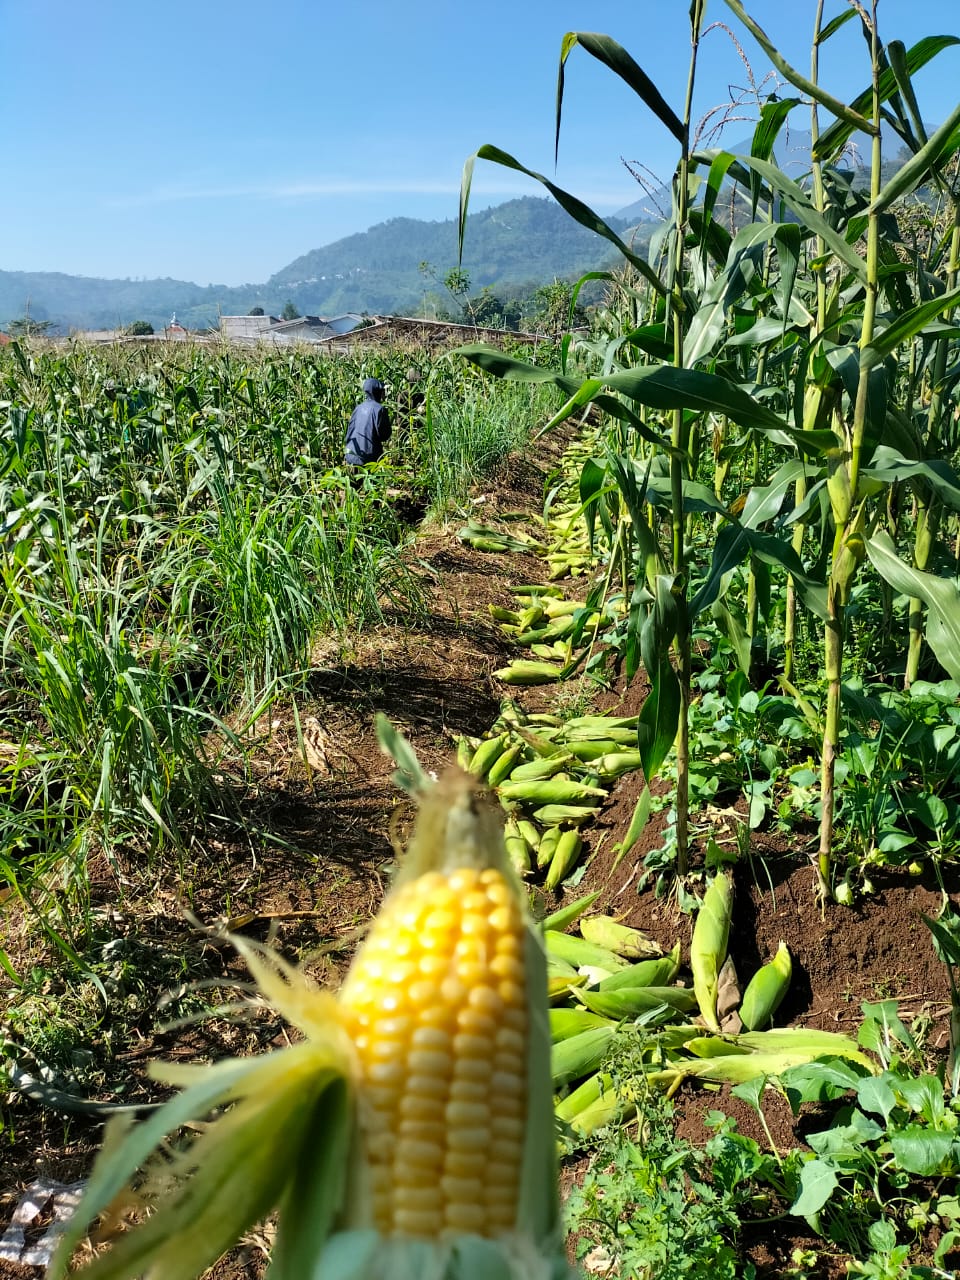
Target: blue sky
215,142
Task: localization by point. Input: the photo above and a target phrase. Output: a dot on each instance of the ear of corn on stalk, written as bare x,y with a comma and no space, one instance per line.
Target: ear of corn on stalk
410,1134
708,946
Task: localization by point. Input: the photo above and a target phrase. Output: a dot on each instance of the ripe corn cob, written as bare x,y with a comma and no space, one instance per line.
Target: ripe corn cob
577,951
565,1023
411,1133
518,850
435,1004
488,752
565,916
564,858
646,973
578,1055
547,845
553,814
527,671
501,767
627,1002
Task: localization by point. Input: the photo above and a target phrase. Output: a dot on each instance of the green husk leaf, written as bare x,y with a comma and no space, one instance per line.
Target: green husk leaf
708,946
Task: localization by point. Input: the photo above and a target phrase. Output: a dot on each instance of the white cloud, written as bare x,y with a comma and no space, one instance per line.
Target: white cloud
485,183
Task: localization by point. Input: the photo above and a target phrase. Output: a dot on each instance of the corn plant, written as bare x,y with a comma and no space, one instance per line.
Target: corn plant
810,364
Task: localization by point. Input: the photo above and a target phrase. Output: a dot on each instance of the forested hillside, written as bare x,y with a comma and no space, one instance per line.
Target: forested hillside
512,248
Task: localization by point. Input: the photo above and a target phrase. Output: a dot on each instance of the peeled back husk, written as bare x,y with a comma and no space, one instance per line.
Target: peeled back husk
620,938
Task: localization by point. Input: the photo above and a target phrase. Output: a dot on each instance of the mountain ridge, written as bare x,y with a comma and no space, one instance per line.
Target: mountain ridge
508,247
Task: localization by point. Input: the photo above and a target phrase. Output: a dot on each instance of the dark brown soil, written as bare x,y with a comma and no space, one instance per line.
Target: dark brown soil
311,871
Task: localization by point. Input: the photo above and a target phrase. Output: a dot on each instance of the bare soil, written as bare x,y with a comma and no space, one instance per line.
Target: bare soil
311,867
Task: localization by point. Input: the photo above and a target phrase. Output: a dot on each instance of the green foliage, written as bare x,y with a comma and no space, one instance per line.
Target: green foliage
29,327
174,537
140,328
655,1206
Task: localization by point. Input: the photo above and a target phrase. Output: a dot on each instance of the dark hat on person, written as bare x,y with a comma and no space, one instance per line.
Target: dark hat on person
373,387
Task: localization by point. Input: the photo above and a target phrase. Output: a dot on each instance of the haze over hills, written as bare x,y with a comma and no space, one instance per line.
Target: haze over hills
512,247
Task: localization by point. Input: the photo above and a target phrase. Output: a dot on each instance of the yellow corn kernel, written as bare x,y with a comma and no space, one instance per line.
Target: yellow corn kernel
435,1003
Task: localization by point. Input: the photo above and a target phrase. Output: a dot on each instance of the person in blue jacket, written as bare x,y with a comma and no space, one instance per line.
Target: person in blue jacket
369,428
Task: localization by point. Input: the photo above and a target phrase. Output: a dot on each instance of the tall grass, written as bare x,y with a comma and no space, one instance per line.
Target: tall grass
470,429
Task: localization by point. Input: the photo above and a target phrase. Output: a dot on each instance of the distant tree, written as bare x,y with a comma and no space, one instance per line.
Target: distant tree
258,311
289,312
487,309
457,284
140,329
551,313
27,327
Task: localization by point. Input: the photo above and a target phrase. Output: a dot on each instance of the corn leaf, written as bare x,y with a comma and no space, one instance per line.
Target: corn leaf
834,138
315,1191
615,57
906,325
576,208
888,465
931,157
940,595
